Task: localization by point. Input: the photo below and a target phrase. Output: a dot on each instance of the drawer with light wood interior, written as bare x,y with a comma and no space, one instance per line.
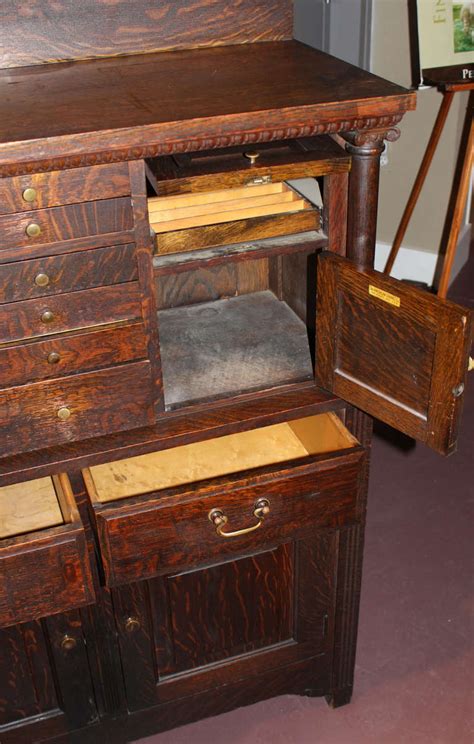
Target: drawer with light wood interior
44,563
209,500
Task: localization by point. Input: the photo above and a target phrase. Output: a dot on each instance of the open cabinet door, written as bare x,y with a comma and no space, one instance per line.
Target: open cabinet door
395,352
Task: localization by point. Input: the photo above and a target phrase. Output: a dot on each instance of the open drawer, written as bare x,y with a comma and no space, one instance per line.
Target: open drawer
44,565
207,219
210,500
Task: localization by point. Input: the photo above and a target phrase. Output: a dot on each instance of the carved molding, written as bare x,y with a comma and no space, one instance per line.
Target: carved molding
363,131
370,141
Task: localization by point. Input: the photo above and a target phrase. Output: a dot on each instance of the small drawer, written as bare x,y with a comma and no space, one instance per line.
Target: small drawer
44,564
70,354
41,317
202,220
57,188
41,277
208,501
250,165
74,408
48,226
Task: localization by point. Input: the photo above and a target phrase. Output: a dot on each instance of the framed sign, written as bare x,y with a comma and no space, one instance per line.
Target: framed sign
442,40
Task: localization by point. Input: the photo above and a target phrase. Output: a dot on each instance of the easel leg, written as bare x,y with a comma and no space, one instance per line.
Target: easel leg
420,178
458,212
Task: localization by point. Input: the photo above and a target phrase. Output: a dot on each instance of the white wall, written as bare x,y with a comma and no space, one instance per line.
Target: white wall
391,60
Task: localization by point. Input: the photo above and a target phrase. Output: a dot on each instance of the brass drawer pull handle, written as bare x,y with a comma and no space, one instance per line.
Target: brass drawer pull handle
47,316
219,519
68,643
132,624
41,280
252,156
33,230
53,357
29,195
64,413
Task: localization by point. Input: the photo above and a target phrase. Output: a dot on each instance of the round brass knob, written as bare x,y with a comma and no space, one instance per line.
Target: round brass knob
41,280
68,643
132,624
252,156
53,357
33,230
47,316
29,194
64,413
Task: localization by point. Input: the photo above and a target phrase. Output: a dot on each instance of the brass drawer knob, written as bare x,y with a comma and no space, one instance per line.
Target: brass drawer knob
68,643
219,520
47,316
252,156
41,280
29,195
132,624
53,358
64,413
33,230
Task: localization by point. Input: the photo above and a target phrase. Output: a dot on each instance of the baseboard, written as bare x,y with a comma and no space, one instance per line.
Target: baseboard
419,265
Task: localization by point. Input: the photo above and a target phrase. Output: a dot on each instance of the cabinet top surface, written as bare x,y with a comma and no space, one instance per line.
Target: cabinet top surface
82,107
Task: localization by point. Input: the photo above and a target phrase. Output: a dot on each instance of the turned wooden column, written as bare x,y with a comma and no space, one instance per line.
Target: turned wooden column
365,149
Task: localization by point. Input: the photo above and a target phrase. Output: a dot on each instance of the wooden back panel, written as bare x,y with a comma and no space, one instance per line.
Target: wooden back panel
41,31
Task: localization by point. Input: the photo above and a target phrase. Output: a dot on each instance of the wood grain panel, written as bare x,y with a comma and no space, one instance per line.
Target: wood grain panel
255,601
64,187
27,685
150,650
99,28
82,352
210,283
395,352
75,310
66,223
68,272
149,535
100,402
256,228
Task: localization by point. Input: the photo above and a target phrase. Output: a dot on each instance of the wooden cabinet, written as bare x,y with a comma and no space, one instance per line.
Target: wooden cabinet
185,377
46,685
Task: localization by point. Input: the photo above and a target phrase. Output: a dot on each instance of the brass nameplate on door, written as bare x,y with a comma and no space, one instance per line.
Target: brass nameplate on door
383,295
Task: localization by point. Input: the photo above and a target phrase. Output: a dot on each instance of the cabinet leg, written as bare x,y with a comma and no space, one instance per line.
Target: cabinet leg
339,697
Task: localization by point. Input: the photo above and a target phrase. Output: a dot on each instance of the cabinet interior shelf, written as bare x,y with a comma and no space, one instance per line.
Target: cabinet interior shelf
231,346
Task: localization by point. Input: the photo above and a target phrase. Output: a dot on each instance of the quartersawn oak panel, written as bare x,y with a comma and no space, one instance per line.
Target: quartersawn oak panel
254,612
66,223
62,187
82,352
149,652
393,351
100,28
75,310
68,273
100,403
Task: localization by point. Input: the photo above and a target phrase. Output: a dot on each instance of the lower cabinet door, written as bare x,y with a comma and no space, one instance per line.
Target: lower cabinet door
199,630
45,681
